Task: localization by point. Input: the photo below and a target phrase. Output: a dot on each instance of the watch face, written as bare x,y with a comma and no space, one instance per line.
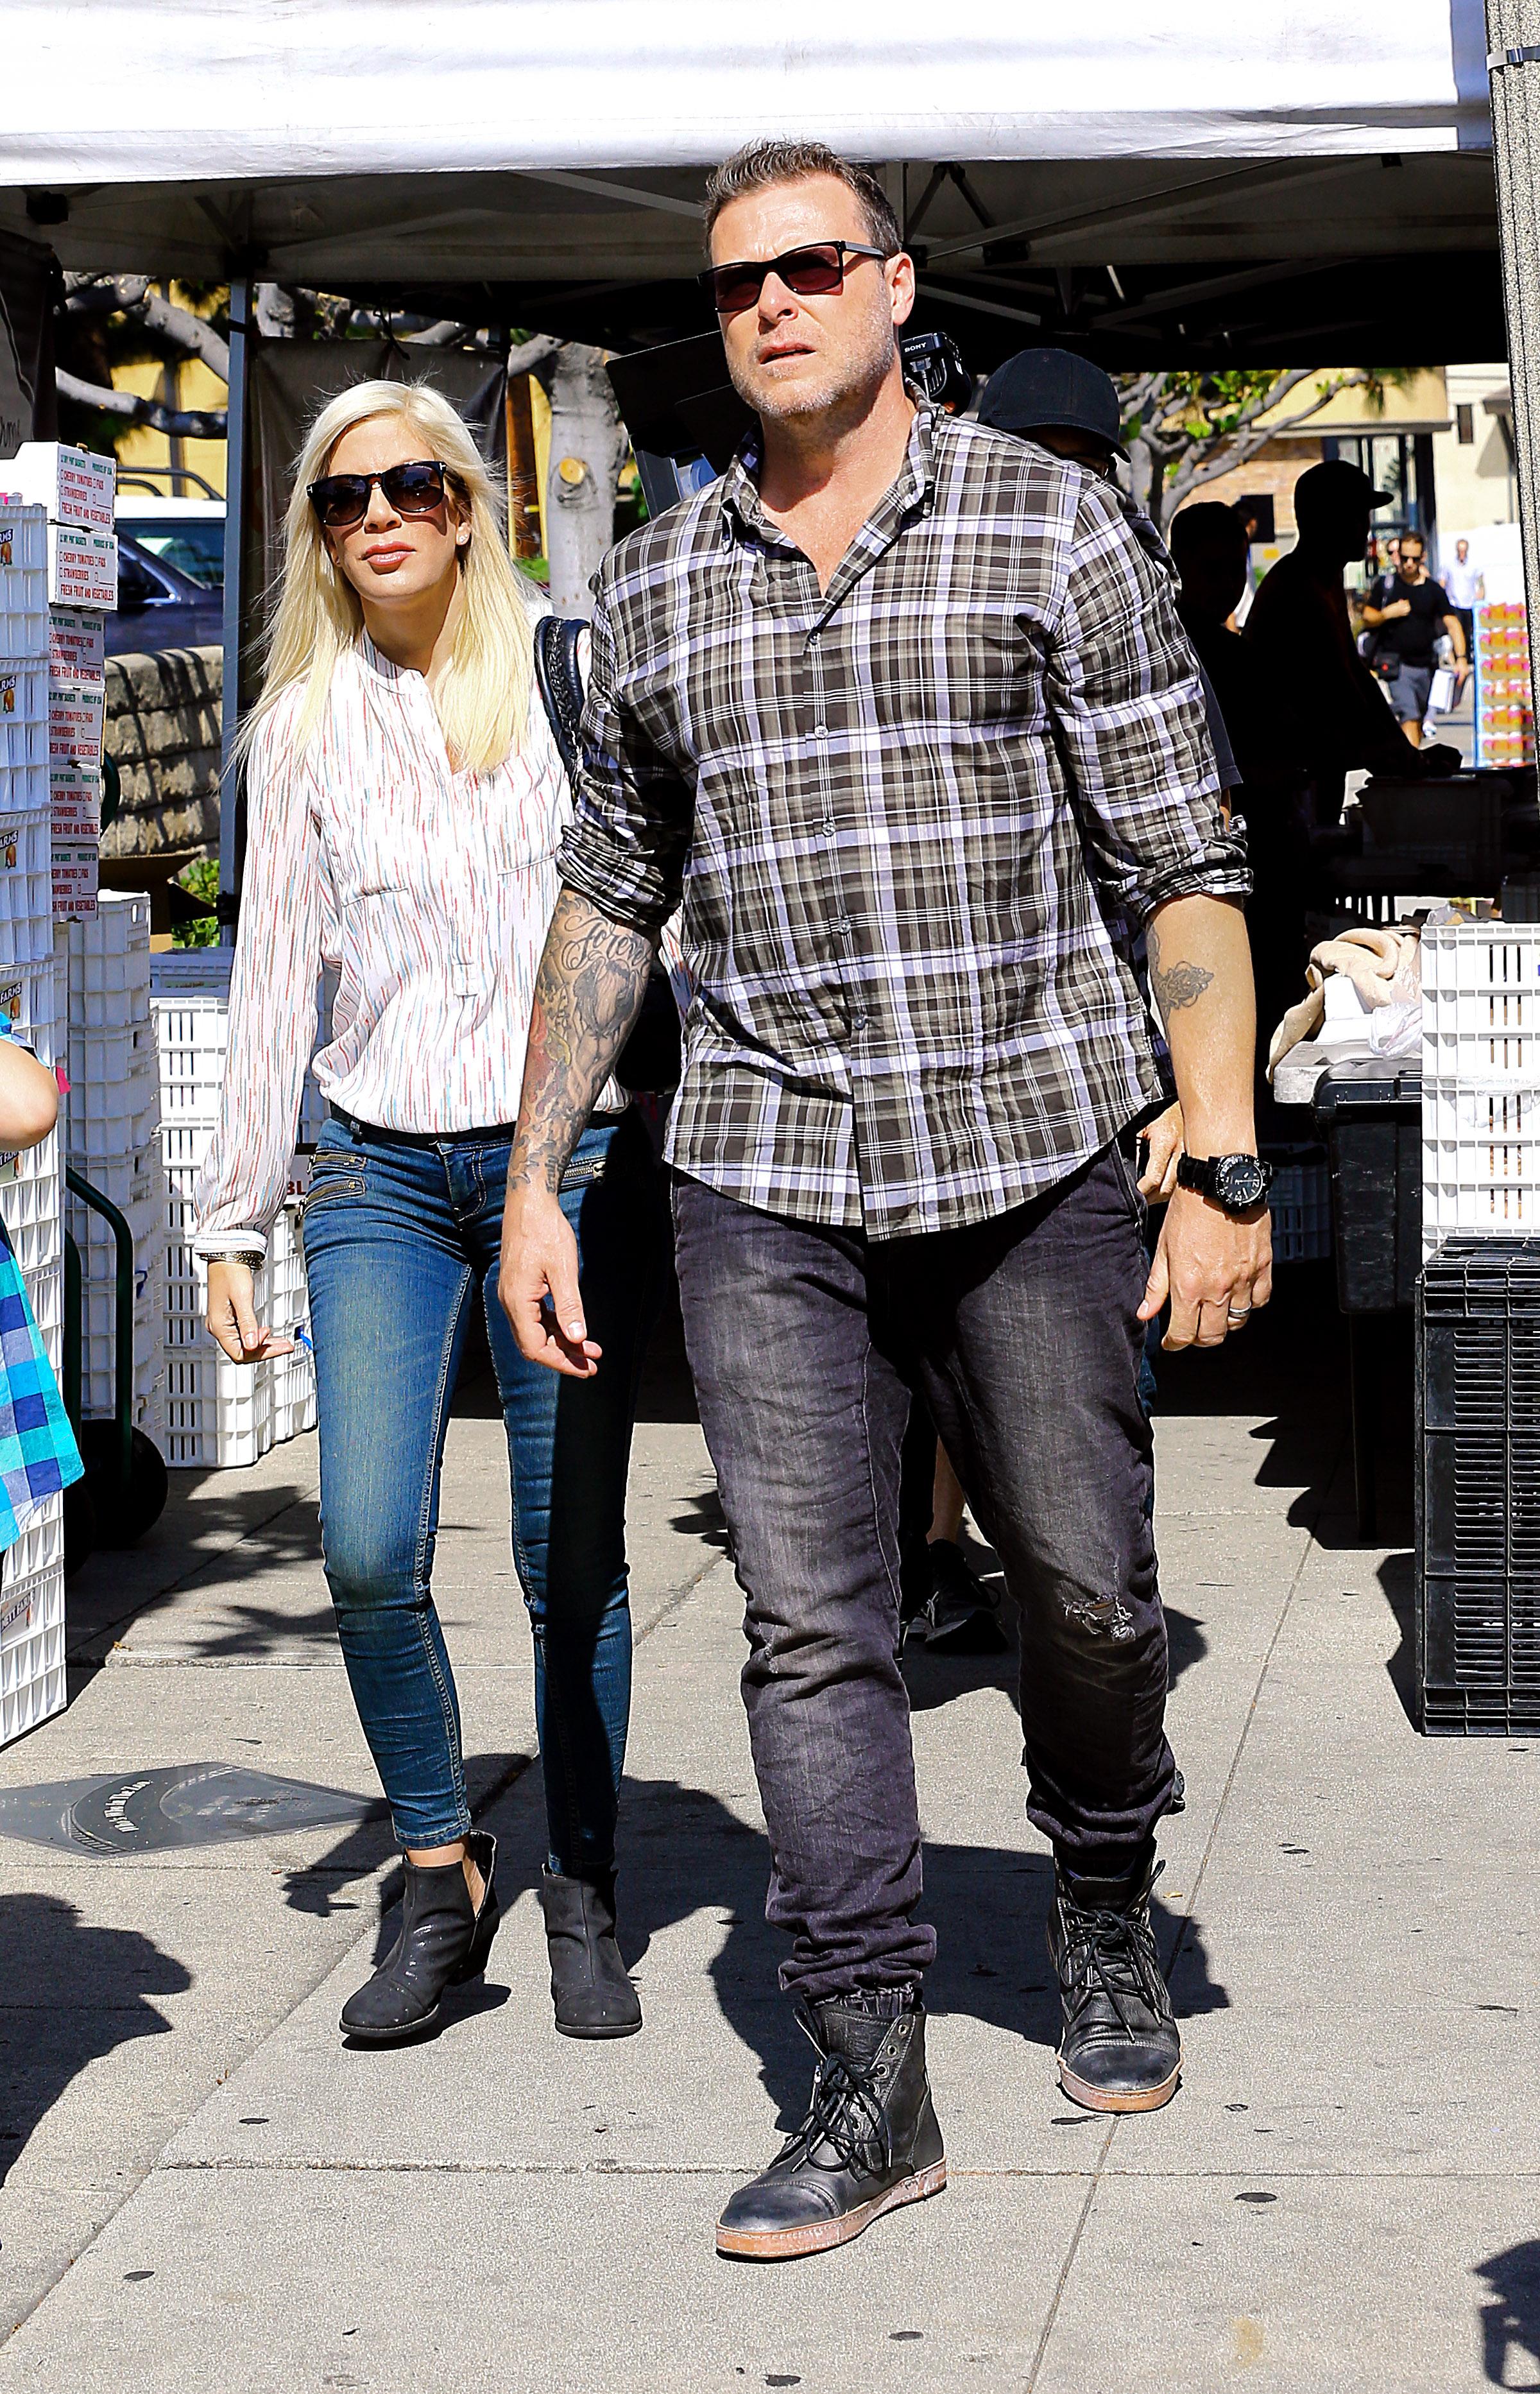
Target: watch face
1240,1182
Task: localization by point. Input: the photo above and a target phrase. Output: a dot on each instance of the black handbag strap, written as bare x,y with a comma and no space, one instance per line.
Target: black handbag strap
560,679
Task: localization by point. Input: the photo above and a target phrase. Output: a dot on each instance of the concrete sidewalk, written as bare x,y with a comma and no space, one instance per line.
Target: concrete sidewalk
1342,2196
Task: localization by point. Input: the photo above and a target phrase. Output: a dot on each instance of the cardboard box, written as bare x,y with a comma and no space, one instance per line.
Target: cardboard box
76,638
75,877
74,802
74,485
75,725
83,567
75,824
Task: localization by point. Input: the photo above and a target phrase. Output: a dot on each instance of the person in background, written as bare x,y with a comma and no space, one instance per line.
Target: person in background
1209,545
1406,614
902,708
1327,706
1467,586
407,799
38,1455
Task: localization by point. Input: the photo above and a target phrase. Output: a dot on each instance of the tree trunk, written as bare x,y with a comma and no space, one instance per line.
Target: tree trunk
587,451
1143,476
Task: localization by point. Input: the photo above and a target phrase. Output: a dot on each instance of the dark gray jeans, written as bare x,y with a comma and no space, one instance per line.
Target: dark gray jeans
1020,1336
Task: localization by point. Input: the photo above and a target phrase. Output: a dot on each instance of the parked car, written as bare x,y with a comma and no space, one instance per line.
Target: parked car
159,605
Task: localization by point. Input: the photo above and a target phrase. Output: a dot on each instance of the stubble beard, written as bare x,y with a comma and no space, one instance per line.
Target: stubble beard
842,390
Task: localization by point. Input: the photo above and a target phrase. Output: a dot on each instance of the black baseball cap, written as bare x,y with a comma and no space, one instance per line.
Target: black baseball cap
1335,483
1053,387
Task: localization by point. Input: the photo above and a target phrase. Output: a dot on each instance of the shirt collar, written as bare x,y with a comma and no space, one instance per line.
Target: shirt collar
739,496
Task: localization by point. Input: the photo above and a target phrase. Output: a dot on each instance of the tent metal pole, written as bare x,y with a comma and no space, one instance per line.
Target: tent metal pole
1513,65
235,457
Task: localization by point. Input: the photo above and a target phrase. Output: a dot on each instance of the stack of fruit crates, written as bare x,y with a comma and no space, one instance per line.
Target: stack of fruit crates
75,492
1481,1081
218,1413
1478,1331
1503,707
113,1139
31,1570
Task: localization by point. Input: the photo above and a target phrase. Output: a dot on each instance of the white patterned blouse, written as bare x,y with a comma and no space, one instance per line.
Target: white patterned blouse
427,891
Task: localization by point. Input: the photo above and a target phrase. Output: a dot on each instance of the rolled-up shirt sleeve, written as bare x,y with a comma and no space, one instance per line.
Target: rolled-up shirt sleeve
626,847
1126,695
272,1003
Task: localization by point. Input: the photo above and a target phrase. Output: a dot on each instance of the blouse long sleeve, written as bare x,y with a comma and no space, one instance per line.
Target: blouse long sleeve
272,1003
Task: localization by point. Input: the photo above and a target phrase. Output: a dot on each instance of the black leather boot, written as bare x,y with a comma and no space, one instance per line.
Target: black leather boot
869,2143
1121,2050
445,1941
589,1986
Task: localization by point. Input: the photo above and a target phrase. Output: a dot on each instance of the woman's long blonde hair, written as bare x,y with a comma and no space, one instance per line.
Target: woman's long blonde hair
483,696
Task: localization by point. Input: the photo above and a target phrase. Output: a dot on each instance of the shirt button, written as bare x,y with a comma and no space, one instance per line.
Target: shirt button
820,731
858,1022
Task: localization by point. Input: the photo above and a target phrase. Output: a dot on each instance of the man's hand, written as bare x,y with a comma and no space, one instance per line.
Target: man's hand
1215,1269
537,1286
231,1317
1162,1140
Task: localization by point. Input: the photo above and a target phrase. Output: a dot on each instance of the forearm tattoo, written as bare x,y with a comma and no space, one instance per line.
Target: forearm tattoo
1175,984
587,994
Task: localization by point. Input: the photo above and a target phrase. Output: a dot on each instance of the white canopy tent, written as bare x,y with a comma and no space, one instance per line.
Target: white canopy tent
1237,179
538,139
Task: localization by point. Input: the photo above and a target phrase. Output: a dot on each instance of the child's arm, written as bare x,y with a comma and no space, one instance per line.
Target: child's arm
29,1099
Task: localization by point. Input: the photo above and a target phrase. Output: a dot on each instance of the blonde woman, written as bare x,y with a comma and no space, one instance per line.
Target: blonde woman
405,801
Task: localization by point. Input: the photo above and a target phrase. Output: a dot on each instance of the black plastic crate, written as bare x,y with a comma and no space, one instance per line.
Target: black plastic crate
1478,1617
1369,1113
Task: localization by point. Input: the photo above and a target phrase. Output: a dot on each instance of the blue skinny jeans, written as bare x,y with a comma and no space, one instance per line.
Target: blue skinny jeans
400,1237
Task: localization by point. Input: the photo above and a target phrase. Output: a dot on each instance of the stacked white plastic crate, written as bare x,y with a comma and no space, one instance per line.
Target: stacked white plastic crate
218,1413
113,1139
31,1573
1481,1081
76,490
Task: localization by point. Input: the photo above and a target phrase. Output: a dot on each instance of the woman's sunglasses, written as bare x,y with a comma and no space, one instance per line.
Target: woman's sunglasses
818,267
342,500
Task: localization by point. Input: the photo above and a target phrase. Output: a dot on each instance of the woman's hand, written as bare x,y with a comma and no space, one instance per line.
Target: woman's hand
1163,1151
231,1317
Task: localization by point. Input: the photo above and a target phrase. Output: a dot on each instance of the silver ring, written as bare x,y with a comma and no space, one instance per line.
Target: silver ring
1241,1313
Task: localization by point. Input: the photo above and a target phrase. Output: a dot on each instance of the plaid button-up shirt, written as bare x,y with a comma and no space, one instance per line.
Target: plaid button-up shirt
913,818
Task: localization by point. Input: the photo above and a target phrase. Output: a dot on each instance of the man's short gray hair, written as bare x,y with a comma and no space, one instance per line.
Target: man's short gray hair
759,166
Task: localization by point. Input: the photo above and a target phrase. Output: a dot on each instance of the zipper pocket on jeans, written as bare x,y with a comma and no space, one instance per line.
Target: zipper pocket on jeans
340,1184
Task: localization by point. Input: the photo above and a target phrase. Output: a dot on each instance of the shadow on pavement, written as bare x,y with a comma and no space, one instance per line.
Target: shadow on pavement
989,1905
88,1991
1510,2318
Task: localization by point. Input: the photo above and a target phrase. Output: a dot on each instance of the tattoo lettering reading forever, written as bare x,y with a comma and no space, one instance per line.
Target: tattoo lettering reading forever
1175,985
587,994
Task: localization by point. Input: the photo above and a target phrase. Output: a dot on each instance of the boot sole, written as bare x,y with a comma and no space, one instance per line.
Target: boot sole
467,1978
392,2036
1098,2098
792,2243
598,2035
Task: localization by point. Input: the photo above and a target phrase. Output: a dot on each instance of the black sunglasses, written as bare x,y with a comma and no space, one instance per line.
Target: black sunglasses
341,500
819,266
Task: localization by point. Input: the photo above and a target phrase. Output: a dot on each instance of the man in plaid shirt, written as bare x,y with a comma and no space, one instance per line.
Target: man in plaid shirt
901,707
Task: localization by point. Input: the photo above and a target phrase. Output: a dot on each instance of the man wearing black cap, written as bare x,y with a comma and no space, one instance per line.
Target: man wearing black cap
1070,407
1299,624
1062,402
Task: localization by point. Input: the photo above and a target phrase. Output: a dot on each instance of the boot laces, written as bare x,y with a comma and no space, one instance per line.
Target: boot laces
1112,1952
845,2111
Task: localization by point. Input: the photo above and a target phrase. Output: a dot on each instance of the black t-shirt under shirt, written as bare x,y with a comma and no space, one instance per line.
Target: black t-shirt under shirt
1414,637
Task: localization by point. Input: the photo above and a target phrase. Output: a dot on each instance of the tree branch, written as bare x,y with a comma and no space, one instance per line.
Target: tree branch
106,294
531,353
186,424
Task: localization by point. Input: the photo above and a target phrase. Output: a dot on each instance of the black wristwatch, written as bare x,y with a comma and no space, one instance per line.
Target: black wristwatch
1239,1183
